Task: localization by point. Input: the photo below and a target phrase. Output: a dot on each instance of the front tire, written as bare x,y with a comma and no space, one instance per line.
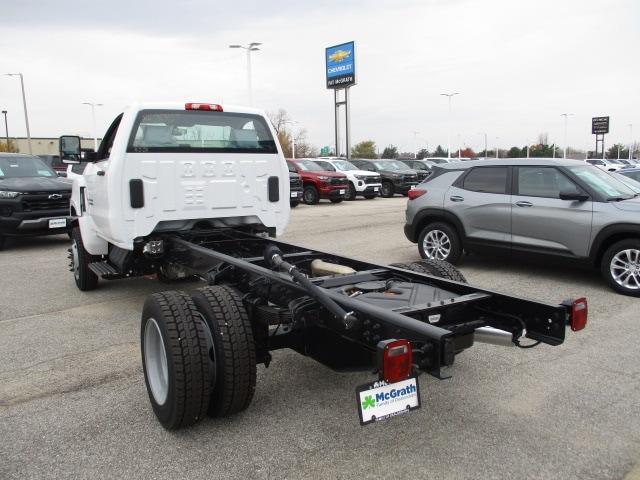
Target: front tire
386,190
175,359
620,267
232,351
439,241
80,259
310,195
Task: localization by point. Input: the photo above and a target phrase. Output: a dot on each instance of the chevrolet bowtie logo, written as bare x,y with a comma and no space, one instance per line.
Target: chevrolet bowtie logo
55,196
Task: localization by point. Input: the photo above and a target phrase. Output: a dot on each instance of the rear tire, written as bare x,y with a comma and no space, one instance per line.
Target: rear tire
80,259
386,191
351,192
436,268
175,359
620,267
310,195
232,352
440,241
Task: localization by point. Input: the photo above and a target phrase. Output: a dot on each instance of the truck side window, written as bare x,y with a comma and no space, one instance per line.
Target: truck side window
486,180
107,142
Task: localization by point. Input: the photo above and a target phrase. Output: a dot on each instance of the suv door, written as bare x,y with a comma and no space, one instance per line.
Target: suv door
480,200
540,220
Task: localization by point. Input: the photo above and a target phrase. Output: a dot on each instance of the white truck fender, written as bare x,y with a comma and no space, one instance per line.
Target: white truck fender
93,244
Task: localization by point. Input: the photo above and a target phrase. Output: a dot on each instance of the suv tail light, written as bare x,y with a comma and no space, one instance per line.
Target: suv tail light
415,193
579,312
395,360
213,107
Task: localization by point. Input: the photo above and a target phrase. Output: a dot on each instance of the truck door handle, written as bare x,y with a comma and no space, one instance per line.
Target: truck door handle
522,203
456,198
100,173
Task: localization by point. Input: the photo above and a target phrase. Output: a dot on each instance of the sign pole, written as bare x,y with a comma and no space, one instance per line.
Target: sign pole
347,122
336,112
340,75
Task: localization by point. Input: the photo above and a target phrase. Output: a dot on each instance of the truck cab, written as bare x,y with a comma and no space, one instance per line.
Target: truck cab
175,167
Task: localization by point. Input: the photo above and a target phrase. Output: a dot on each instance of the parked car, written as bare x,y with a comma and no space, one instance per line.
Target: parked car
33,200
396,176
361,182
318,183
603,164
552,207
295,187
423,167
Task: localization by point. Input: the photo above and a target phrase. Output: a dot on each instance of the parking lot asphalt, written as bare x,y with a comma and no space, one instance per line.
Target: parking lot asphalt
73,402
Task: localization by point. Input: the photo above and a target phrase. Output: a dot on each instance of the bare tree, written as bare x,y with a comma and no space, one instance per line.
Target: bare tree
543,139
279,119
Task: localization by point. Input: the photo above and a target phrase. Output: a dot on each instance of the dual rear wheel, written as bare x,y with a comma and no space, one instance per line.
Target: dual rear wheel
198,355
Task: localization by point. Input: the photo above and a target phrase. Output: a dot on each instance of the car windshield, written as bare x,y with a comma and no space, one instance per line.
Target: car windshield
603,183
344,166
15,167
391,165
309,166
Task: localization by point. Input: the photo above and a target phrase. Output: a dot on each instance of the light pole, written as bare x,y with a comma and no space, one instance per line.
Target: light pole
93,118
566,144
6,128
485,144
497,138
293,137
630,140
415,145
252,47
24,104
449,95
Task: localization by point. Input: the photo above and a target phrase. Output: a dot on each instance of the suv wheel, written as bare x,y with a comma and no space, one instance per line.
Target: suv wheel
351,192
310,195
438,241
621,267
386,190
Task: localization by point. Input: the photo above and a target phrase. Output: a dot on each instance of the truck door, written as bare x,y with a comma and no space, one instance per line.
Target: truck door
97,175
540,220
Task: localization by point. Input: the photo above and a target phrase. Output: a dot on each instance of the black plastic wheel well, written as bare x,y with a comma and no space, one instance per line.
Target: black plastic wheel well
440,218
610,240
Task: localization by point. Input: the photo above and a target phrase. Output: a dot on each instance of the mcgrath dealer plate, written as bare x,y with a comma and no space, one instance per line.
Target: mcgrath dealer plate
381,400
57,223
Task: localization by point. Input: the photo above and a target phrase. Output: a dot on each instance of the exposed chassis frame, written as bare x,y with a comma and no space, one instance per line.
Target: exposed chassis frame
438,330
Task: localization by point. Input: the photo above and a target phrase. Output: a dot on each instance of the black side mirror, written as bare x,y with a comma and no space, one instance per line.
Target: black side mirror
573,195
69,146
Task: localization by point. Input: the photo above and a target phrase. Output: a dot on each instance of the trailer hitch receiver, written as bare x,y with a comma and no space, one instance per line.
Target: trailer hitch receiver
274,260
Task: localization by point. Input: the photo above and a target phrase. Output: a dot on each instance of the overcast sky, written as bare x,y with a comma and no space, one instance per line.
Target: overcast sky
517,64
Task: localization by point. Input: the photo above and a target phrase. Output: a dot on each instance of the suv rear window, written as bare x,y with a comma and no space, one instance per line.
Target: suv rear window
200,131
486,179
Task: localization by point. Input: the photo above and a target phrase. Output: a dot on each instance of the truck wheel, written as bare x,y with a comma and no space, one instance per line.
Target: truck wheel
80,259
310,195
175,359
369,196
294,204
351,192
2,242
232,351
337,200
620,267
386,191
439,241
436,268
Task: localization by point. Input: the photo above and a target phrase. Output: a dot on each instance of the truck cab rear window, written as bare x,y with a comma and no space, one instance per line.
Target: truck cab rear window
200,131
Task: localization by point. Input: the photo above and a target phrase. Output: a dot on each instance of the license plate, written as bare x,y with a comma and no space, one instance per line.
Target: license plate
342,192
380,400
412,187
375,189
57,223
294,194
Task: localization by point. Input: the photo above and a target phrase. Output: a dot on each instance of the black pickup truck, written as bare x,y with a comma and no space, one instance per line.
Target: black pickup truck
33,200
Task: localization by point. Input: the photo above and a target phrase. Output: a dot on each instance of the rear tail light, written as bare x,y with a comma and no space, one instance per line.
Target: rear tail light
415,193
579,312
212,107
395,360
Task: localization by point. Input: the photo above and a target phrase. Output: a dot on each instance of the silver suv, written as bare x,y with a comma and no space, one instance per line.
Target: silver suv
553,207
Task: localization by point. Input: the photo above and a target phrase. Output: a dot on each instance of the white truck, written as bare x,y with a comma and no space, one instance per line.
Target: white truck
202,189
361,182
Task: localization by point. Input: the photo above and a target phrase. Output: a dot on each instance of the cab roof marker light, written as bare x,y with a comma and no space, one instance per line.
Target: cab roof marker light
209,107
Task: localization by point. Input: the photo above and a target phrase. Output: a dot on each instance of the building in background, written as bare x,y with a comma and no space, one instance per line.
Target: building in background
46,146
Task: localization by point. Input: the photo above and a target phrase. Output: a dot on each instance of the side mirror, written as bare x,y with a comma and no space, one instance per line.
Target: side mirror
573,195
69,146
61,174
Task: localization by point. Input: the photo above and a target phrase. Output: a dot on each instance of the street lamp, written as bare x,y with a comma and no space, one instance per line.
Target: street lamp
630,140
566,145
93,118
252,47
415,144
24,104
497,138
449,95
6,128
293,137
485,144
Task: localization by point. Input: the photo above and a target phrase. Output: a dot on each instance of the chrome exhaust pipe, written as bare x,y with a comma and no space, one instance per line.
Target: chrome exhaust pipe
494,336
